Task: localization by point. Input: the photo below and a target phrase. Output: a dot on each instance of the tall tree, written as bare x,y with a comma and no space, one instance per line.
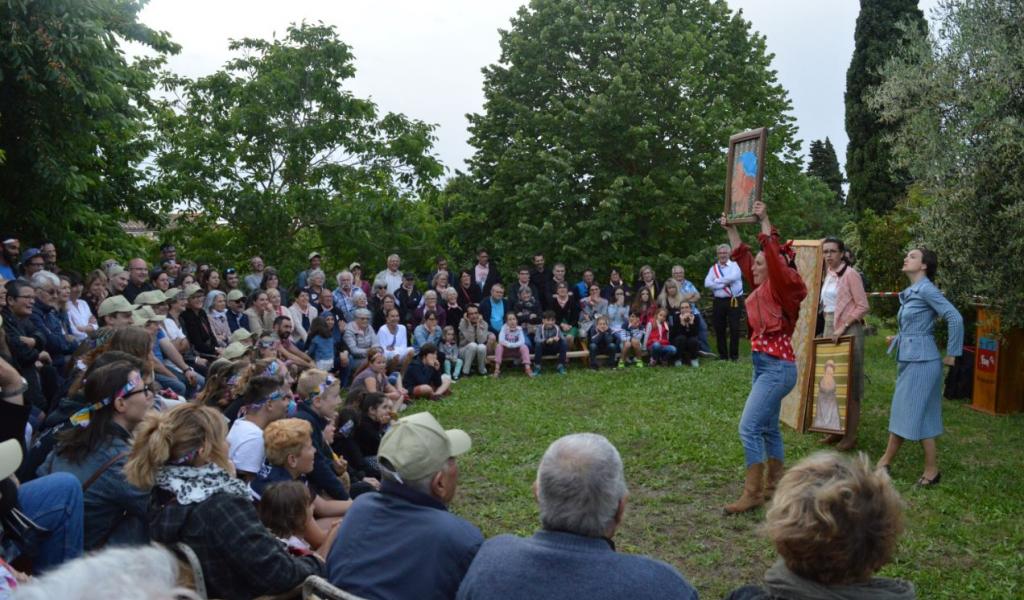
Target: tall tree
603,135
825,166
882,25
957,99
74,119
275,146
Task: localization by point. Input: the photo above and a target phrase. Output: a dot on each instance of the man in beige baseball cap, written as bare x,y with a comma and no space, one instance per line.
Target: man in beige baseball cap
243,336
425,546
115,311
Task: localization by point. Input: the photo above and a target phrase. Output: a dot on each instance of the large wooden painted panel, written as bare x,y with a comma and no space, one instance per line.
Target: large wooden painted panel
809,264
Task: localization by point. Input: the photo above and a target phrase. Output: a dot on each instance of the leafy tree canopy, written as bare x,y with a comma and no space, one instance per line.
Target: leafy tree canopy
956,96
274,149
604,130
74,118
825,166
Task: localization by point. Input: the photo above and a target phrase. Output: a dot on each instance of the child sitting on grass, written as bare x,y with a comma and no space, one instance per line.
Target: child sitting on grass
285,508
512,337
658,343
449,349
636,334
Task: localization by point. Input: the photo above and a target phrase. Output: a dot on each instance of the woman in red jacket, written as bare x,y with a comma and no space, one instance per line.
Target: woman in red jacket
772,310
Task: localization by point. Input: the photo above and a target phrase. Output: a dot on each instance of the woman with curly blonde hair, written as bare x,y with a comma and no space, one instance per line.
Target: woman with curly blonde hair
834,522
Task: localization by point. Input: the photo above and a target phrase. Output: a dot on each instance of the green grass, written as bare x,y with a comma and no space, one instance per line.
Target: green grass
676,431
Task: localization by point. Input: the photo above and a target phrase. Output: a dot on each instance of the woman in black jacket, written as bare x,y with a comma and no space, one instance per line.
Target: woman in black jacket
197,325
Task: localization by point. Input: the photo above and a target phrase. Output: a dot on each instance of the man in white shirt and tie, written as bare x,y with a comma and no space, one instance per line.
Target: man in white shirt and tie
726,281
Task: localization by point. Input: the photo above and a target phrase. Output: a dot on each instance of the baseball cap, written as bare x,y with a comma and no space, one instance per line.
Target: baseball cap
241,334
29,254
417,446
234,351
312,254
235,295
10,458
115,304
171,294
355,265
150,298
145,315
192,289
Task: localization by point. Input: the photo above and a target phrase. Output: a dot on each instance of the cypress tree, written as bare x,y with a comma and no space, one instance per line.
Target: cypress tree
874,183
825,166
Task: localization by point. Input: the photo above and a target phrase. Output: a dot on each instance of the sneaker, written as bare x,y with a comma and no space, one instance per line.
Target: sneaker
679,363
529,371
496,374
536,370
704,354
622,365
695,363
640,364
560,369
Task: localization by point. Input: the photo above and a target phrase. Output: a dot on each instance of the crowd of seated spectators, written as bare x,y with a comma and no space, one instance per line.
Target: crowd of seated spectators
187,406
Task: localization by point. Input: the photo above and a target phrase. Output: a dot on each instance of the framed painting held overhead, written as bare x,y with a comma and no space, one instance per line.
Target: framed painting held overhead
744,176
808,264
829,385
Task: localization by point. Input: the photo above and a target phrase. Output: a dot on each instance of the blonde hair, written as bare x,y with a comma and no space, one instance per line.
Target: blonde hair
286,437
174,434
834,519
311,380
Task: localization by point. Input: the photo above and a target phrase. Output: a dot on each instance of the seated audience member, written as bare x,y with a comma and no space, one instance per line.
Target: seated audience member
58,343
448,353
380,314
289,352
527,309
271,282
260,314
618,314
423,378
222,377
602,341
659,345
616,283
237,319
373,378
80,315
357,278
266,398
182,455
393,338
392,276
403,542
430,304
231,280
408,299
216,307
302,313
159,279
685,335
53,502
138,279
493,309
647,281
362,424
320,344
96,290
319,398
285,509
290,457
95,450
591,307
473,339
645,306
548,339
343,295
567,312
427,332
360,338
671,299
523,281
374,302
150,572
634,342
183,380
453,311
315,286
582,287
26,343
468,293
834,522
197,325
512,338
581,491
117,281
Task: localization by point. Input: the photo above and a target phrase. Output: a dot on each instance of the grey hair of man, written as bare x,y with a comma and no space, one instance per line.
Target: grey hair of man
422,485
580,483
362,313
316,273
725,247
139,573
43,279
346,274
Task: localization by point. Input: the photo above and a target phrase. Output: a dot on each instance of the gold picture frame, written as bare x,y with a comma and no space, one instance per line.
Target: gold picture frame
828,393
744,175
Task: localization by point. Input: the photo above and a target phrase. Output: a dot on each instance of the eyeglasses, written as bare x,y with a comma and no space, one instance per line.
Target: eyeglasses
32,297
149,390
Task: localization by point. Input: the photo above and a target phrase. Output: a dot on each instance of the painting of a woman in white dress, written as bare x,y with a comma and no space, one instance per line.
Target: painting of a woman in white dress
827,414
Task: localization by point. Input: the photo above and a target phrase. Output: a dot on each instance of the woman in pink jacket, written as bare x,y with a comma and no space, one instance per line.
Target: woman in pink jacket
844,304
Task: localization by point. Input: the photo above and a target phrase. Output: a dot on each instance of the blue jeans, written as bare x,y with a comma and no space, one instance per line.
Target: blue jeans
702,335
759,425
55,502
661,351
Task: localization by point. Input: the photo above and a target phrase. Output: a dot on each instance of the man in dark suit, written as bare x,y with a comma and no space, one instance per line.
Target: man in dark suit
485,275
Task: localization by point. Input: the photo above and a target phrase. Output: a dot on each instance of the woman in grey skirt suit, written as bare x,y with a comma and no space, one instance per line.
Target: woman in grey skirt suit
916,412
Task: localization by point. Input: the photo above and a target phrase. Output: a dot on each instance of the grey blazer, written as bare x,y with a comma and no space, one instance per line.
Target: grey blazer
920,304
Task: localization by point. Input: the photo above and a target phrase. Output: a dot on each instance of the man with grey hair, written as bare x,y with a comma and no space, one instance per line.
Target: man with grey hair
726,281
344,295
403,542
391,276
581,490
60,344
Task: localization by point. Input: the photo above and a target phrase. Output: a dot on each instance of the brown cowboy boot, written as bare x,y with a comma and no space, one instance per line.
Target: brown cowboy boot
830,439
753,491
772,477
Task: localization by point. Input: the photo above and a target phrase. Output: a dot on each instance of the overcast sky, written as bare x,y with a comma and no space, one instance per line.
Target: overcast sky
423,57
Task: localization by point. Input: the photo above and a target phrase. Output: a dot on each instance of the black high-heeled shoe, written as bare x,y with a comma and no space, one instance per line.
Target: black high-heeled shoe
925,482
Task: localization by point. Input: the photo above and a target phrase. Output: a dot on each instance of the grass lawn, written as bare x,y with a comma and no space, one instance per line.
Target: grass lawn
676,430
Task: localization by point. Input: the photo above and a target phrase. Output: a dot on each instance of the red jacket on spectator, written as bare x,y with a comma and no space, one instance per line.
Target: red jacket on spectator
773,306
658,334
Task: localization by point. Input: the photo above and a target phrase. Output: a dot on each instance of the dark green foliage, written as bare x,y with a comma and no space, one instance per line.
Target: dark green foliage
274,150
603,136
74,123
881,29
957,101
825,166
